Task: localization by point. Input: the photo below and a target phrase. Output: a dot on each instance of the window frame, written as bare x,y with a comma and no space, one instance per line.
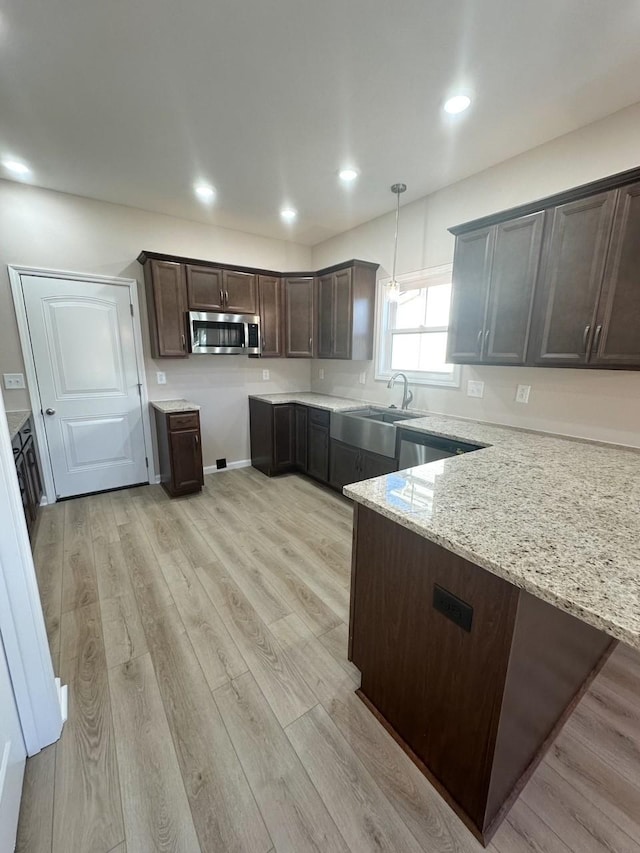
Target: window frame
431,277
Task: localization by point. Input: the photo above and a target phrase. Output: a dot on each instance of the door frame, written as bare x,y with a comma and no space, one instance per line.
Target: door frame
17,291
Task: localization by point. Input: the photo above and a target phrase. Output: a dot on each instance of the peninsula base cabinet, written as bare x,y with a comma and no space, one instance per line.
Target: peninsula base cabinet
472,676
29,477
180,452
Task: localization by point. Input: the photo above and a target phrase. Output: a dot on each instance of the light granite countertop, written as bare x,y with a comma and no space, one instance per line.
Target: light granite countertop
556,517
170,406
310,398
16,421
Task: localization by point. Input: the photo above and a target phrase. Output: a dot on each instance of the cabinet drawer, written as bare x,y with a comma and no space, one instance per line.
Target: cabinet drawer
319,416
184,420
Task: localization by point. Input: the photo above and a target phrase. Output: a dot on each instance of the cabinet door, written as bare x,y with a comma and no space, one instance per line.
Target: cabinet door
569,287
169,301
301,437
283,437
299,301
617,335
326,308
33,471
271,316
204,288
346,464
318,452
342,314
186,460
375,465
471,272
240,292
516,259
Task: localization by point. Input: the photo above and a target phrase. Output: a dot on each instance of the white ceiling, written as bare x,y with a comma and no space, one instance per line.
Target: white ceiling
131,101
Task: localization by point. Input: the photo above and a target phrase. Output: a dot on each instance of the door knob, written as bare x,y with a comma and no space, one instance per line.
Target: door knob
50,411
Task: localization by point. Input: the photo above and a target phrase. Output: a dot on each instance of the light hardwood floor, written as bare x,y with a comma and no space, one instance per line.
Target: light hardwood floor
212,706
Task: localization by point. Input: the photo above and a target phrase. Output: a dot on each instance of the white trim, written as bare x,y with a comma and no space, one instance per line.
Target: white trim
21,619
15,277
241,463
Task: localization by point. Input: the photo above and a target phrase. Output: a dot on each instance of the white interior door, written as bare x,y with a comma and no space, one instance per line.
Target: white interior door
84,352
12,759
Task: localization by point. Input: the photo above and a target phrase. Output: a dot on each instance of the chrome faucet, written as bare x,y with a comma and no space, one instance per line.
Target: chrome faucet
407,395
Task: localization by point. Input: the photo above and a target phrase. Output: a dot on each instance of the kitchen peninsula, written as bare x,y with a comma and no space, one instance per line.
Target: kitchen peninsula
487,591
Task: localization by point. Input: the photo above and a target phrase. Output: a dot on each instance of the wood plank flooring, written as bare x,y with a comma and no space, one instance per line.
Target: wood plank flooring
212,706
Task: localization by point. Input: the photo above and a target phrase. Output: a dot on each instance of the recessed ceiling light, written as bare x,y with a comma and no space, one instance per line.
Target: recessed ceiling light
457,104
16,167
348,175
205,192
288,214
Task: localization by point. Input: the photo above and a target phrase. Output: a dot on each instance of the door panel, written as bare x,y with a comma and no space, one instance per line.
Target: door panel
568,293
186,459
342,314
301,438
84,351
326,303
318,452
514,271
471,272
345,464
271,316
299,317
617,340
12,759
240,292
204,288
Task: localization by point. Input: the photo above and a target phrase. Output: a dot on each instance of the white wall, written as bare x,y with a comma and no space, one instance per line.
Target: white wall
596,404
49,229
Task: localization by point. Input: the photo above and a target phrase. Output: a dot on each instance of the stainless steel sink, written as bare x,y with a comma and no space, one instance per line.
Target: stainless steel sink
369,429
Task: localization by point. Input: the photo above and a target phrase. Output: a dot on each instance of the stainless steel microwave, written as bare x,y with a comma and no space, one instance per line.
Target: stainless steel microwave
224,334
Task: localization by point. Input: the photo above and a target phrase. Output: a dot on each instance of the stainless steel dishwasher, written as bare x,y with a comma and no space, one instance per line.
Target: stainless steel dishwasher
418,448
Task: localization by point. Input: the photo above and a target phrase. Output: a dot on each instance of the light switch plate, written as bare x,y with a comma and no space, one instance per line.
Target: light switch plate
265,375
475,388
522,393
12,381
321,373
363,378
161,378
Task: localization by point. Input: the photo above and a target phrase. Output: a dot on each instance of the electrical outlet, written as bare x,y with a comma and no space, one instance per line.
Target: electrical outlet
363,378
522,393
265,375
12,381
475,388
321,373
161,378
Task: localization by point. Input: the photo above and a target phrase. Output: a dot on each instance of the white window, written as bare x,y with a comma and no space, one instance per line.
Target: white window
413,330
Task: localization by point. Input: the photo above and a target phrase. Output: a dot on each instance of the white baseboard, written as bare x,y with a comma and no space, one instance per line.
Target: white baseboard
241,463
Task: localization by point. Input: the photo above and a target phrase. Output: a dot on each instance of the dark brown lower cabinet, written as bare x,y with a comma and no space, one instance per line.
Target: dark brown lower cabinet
473,676
272,434
302,421
350,464
318,444
29,477
180,452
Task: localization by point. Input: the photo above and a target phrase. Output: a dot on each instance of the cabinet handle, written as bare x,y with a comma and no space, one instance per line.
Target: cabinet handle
310,344
585,336
184,341
226,298
197,439
486,340
479,342
596,340
222,298
263,344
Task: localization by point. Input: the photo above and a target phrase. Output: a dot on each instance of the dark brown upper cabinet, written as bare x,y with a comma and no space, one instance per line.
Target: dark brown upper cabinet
346,301
575,255
272,326
166,307
240,292
616,339
495,272
471,272
299,319
205,290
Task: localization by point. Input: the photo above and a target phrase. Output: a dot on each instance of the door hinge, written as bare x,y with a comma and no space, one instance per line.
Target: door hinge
131,308
146,461
139,389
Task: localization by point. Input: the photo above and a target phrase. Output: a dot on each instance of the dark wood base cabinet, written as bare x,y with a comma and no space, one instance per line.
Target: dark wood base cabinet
180,452
28,471
472,676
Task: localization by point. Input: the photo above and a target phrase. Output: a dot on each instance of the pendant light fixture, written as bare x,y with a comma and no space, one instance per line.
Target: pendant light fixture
392,288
